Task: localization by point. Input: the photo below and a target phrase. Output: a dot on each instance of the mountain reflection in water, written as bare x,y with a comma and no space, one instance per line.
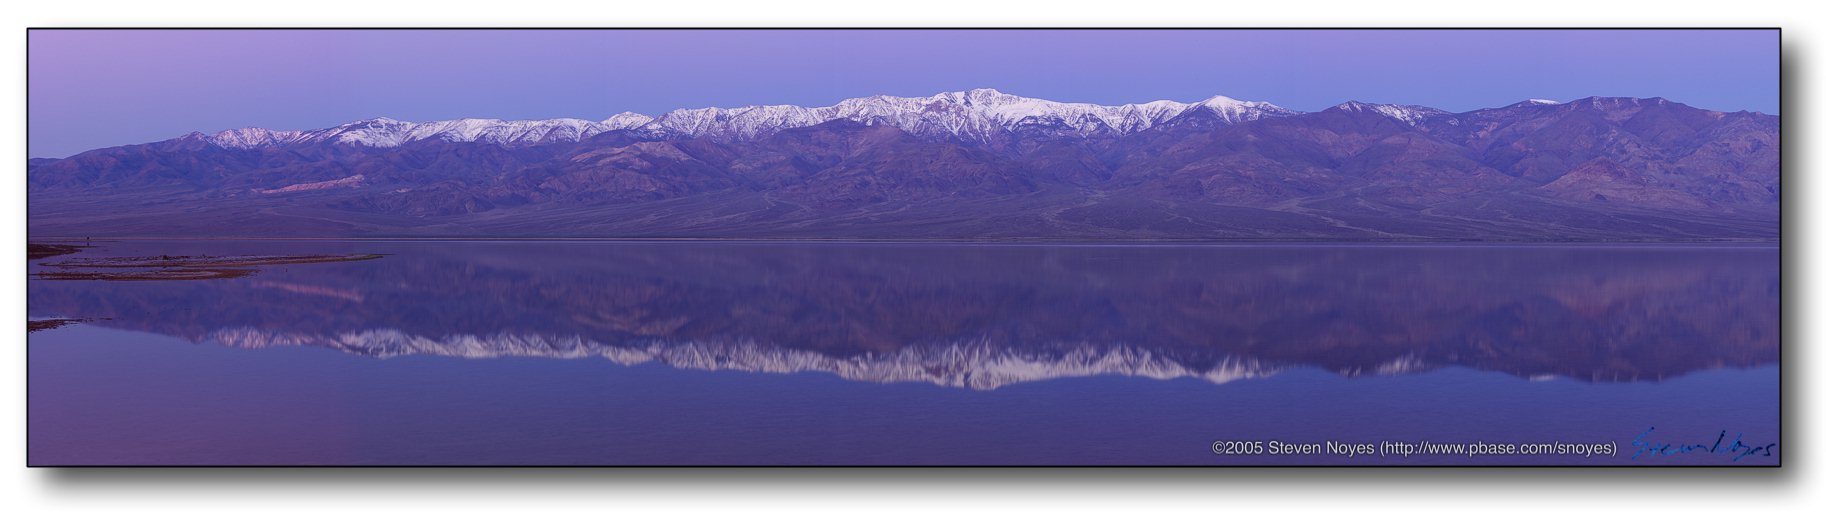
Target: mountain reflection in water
983,316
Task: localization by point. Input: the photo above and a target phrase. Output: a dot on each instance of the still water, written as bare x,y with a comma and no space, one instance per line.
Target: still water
612,353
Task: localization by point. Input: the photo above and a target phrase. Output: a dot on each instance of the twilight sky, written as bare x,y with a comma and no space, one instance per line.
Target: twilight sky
90,89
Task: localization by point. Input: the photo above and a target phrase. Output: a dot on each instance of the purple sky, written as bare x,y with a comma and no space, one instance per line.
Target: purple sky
91,89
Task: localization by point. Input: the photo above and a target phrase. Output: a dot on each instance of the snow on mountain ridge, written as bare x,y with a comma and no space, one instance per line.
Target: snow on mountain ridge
1409,114
382,132
253,137
977,115
626,120
741,122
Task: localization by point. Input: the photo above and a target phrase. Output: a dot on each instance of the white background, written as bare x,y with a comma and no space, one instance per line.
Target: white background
1799,485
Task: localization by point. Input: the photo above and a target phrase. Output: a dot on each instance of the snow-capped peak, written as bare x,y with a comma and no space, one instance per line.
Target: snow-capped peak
253,137
1532,103
1236,111
732,123
626,120
1408,114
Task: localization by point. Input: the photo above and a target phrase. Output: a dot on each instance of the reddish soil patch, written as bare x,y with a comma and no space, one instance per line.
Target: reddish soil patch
40,325
42,251
178,268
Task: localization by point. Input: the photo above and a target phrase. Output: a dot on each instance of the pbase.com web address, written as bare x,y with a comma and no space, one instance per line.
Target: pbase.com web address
1404,449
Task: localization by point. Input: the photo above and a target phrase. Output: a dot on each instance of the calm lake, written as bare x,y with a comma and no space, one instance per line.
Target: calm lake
613,353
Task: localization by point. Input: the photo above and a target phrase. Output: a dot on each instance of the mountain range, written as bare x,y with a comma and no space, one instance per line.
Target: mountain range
978,164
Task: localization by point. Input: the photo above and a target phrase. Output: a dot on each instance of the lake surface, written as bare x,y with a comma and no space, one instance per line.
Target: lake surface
611,353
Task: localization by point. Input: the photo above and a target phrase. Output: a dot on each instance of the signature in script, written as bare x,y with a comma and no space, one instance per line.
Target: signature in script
1736,448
